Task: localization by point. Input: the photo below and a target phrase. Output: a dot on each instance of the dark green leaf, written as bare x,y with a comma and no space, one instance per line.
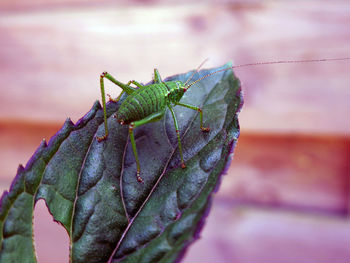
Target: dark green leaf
91,187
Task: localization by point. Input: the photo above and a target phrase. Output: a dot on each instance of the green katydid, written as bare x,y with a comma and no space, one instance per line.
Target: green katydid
148,103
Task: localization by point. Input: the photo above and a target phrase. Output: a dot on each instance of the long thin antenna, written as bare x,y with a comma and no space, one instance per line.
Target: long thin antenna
267,63
205,60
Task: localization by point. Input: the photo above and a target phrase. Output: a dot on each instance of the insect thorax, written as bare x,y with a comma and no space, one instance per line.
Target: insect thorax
176,90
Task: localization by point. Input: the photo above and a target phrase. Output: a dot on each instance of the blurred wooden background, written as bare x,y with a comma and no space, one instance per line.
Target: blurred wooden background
286,195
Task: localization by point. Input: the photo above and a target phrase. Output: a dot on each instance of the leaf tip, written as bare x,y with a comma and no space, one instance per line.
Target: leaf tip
89,115
43,143
20,169
68,124
97,105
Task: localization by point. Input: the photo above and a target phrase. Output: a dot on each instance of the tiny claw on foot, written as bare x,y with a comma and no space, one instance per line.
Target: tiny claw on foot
205,129
139,177
111,99
183,165
100,139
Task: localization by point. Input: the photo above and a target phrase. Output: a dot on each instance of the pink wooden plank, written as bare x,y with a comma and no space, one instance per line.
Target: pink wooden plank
50,59
243,234
303,173
18,143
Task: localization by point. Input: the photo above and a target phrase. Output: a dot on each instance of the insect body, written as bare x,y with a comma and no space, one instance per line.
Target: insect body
148,103
149,99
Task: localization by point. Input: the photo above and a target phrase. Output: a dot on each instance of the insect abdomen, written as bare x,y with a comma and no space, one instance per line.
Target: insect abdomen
142,103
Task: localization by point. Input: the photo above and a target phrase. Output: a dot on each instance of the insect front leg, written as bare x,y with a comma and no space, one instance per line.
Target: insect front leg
126,88
151,118
178,136
200,114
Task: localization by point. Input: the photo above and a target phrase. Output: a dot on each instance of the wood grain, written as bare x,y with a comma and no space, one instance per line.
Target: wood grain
50,59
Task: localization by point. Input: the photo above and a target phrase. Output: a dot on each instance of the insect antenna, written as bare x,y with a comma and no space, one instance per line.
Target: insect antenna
199,67
266,63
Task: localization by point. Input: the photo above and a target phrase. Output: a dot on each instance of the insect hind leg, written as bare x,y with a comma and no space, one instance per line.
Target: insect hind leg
126,88
137,84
